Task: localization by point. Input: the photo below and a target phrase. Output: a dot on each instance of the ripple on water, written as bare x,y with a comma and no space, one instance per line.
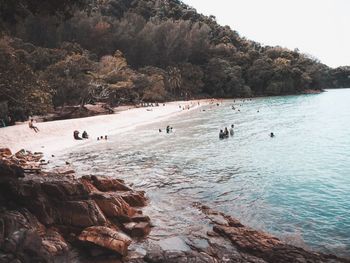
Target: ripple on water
295,185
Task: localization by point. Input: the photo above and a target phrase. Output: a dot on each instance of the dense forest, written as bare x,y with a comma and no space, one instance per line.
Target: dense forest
61,53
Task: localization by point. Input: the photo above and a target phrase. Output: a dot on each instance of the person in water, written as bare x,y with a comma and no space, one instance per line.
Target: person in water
226,133
168,129
272,135
221,134
106,138
31,125
85,135
231,130
76,135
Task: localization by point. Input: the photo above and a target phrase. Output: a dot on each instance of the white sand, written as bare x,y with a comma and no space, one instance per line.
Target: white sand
56,136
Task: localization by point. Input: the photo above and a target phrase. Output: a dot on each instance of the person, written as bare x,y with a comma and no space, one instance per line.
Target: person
85,135
76,135
231,130
272,135
101,138
31,125
168,129
226,133
106,137
160,130
221,134
98,138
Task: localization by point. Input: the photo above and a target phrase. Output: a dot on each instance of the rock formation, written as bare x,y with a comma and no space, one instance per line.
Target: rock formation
45,216
56,217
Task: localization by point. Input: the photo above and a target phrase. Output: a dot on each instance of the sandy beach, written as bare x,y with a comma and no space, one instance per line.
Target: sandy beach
58,135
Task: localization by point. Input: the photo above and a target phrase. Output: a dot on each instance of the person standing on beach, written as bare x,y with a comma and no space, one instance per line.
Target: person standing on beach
231,130
31,125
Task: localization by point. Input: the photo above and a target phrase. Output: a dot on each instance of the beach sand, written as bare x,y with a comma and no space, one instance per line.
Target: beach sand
56,136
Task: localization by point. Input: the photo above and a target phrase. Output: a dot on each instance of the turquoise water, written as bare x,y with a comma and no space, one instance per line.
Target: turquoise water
295,186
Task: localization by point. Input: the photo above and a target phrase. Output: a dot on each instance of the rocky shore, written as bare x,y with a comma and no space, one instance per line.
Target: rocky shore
58,217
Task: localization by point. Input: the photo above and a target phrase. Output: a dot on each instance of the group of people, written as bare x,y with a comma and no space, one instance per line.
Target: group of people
102,138
226,132
168,129
83,136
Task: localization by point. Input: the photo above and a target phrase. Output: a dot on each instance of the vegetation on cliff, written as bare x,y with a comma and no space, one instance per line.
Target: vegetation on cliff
75,52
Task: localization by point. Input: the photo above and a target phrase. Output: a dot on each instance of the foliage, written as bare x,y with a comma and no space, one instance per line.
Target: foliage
127,51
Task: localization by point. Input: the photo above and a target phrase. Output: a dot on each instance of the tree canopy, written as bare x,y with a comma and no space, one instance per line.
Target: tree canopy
67,52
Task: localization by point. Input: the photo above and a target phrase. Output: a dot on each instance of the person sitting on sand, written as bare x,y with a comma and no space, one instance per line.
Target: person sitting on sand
226,133
272,135
31,125
231,130
85,135
221,134
76,135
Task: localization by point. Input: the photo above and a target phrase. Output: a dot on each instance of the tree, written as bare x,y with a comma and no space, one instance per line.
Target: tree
69,80
19,85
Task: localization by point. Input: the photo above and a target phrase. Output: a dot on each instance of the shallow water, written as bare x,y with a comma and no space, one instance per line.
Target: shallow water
296,185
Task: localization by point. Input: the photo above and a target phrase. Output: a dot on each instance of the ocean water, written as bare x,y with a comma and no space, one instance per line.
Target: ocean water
295,185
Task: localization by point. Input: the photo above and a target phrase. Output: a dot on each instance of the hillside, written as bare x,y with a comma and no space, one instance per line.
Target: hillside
121,51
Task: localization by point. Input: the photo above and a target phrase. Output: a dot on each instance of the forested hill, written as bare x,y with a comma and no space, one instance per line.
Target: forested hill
56,53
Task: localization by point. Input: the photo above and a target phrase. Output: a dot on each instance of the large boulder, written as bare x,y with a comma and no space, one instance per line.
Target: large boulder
9,169
83,213
6,152
65,190
112,205
105,184
106,238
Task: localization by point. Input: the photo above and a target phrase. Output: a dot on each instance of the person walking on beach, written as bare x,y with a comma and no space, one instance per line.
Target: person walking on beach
31,125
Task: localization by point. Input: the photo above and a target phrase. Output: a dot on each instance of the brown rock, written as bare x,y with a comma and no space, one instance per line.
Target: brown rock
80,214
140,229
108,184
65,190
9,169
106,238
134,199
140,218
113,205
5,152
54,243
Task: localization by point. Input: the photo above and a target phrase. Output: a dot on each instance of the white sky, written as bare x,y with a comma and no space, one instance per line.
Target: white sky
317,27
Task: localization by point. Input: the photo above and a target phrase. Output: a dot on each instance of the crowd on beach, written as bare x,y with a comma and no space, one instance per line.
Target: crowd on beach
223,133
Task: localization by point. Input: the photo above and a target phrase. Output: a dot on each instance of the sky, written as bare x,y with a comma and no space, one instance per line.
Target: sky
320,28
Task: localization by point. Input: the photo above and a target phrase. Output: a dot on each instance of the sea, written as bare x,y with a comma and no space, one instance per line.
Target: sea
295,185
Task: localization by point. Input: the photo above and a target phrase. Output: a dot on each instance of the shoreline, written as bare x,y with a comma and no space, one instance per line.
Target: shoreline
56,136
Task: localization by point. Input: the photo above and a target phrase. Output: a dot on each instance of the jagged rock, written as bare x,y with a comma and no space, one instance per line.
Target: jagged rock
54,243
80,214
5,152
66,206
140,218
9,169
20,236
65,190
133,198
107,238
113,205
140,229
107,184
